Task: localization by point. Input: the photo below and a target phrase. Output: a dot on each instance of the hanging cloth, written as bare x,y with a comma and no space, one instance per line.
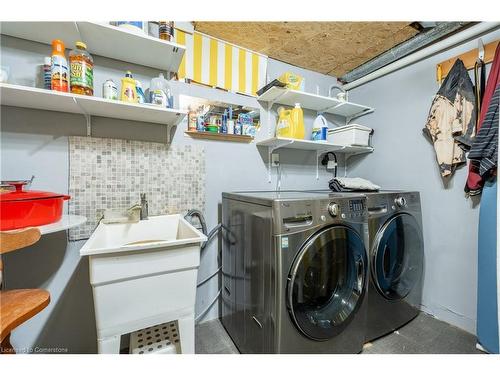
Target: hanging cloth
484,152
488,293
451,121
479,85
475,182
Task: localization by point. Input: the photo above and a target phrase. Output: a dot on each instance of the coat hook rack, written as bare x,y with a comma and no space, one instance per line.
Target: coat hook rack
485,52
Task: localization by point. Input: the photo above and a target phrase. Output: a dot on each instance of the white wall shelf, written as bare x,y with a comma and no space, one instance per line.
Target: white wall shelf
320,147
104,40
35,98
302,144
318,103
66,222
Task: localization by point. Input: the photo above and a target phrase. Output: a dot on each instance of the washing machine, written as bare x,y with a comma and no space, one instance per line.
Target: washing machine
294,272
396,260
396,257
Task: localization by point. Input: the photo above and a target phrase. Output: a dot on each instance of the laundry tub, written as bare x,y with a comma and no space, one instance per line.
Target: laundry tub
144,274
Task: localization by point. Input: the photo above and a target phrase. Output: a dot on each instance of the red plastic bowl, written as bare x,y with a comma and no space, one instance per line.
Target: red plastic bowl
21,209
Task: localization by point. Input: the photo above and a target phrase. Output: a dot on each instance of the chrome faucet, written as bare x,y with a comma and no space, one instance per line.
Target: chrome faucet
144,207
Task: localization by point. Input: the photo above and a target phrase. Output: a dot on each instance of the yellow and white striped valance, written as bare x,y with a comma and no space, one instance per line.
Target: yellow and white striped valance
216,63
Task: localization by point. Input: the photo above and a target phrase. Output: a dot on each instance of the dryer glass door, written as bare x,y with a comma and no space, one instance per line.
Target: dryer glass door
326,283
398,257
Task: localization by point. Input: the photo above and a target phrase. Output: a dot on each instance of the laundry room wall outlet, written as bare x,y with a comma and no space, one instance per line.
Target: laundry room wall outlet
275,160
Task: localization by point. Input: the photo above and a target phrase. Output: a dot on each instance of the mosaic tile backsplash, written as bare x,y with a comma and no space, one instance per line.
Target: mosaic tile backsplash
111,174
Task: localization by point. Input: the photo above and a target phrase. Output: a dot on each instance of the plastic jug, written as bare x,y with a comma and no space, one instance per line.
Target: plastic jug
299,130
320,128
128,93
159,92
284,127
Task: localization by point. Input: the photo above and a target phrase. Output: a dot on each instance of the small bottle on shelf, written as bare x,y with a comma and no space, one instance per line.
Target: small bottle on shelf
59,80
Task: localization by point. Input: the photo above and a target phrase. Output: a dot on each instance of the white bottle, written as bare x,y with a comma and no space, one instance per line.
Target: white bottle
159,92
321,124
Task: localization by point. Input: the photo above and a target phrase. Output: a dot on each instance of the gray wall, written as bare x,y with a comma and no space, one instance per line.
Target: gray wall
404,159
35,142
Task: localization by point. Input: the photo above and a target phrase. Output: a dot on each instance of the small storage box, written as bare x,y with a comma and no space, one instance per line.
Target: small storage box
349,135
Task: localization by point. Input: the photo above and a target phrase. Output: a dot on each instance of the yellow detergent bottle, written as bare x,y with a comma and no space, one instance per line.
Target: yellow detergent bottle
284,127
129,93
299,130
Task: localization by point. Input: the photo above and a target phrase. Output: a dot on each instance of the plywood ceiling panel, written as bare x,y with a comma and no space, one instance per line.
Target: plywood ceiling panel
333,48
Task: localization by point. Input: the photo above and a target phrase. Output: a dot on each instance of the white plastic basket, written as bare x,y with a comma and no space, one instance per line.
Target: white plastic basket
349,135
159,339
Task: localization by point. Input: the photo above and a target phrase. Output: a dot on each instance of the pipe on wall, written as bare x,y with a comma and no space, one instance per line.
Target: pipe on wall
425,38
454,40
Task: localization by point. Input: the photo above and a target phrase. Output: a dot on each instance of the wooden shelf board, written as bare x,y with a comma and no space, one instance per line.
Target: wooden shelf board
468,58
220,136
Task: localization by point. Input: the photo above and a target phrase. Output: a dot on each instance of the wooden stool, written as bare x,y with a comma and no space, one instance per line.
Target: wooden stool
17,306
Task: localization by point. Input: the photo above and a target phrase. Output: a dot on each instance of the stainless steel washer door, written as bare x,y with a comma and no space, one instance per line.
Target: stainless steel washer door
326,283
398,255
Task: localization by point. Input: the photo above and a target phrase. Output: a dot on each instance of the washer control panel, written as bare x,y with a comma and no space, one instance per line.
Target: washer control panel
353,208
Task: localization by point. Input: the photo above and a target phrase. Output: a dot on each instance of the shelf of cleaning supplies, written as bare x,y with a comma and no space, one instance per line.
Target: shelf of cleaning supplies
220,136
314,102
104,40
322,146
35,98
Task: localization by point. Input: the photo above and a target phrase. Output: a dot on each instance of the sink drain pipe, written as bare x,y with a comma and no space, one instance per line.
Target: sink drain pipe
210,237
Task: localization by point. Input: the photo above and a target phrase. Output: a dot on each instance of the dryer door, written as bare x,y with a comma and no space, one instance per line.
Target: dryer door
398,257
326,283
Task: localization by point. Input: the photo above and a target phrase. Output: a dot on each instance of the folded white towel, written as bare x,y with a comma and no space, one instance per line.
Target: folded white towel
357,183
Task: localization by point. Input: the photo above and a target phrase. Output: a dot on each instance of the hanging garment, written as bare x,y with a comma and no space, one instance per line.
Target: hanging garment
475,182
484,152
479,85
451,122
488,293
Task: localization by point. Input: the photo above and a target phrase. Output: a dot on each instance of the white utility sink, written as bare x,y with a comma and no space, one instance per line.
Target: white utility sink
155,232
144,274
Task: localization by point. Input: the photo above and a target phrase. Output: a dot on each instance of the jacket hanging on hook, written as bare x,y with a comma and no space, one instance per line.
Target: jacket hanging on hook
452,118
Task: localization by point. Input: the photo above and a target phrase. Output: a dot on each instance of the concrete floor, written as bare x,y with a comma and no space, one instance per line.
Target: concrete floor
423,335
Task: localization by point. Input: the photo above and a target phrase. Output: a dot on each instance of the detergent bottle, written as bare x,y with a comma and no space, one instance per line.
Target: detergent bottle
129,93
284,126
299,130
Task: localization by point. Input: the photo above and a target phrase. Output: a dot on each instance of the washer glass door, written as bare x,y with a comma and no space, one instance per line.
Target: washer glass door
326,283
398,256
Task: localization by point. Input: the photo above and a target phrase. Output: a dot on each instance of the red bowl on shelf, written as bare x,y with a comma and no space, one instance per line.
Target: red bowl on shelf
21,209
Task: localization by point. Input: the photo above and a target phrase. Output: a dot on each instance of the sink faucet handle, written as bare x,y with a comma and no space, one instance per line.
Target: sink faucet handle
143,196
135,207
